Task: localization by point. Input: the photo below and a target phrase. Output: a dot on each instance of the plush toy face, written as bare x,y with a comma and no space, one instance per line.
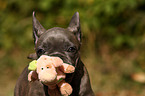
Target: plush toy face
46,68
46,73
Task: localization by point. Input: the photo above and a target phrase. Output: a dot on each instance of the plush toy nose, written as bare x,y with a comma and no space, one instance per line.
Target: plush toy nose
47,76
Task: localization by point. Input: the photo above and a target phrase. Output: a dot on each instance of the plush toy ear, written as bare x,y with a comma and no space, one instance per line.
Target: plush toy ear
32,65
57,62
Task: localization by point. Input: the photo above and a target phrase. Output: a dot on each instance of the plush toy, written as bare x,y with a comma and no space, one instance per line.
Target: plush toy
51,72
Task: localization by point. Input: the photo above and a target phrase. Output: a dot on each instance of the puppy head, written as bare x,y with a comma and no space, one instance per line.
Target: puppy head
64,43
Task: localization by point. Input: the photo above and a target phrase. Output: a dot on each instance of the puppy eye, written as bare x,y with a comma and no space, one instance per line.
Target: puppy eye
71,49
40,52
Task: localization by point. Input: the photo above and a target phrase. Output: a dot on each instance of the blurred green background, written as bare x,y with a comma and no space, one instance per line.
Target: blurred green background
113,45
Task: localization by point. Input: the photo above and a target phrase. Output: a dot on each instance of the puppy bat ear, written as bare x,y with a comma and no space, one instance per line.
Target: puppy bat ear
74,26
37,29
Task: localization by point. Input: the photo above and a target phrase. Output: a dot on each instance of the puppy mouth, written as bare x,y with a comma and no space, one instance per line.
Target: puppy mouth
63,57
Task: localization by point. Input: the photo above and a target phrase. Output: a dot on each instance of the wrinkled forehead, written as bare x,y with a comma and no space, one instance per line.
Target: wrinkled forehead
58,35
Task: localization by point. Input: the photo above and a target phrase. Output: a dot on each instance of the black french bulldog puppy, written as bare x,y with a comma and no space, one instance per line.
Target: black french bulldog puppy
64,43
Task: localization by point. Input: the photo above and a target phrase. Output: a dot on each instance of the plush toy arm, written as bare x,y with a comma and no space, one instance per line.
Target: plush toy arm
66,68
32,76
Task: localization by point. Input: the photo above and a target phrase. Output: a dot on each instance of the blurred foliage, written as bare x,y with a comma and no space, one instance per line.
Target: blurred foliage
113,39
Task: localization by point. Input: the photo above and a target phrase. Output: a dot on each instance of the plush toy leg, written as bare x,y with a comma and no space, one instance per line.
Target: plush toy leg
65,88
53,86
32,76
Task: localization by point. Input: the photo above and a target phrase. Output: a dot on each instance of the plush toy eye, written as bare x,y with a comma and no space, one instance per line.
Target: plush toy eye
48,66
41,68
